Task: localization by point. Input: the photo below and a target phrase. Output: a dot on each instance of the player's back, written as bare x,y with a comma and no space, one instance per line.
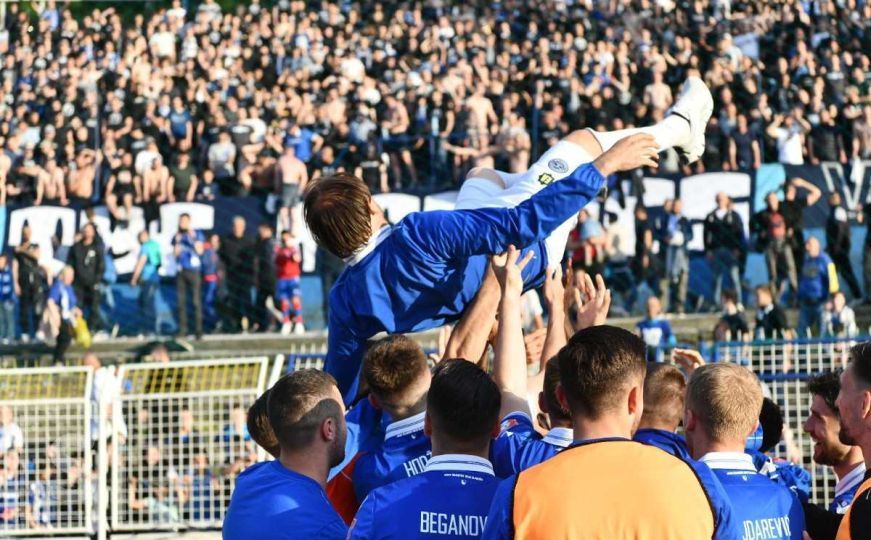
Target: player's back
615,488
404,452
270,501
448,500
667,441
519,447
763,509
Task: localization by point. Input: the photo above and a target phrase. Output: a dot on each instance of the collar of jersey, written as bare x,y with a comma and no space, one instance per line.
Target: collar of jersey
376,238
559,436
733,461
459,462
401,428
850,480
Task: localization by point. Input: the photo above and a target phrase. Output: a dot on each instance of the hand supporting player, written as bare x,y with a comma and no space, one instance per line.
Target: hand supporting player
509,359
629,153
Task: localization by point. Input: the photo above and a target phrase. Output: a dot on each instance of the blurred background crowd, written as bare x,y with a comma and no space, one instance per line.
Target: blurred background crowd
190,101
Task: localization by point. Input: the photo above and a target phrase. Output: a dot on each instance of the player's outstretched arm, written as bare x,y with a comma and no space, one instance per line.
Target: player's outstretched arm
509,362
448,235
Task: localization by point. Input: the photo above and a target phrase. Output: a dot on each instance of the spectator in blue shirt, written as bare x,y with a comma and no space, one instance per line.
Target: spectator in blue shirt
664,390
818,279
285,498
62,298
396,371
722,408
654,330
676,235
188,249
146,276
451,497
7,300
211,279
305,142
180,125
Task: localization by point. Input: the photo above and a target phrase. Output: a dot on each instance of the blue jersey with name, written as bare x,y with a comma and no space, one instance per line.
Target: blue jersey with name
764,509
424,271
655,332
403,453
669,441
518,446
271,501
450,499
846,489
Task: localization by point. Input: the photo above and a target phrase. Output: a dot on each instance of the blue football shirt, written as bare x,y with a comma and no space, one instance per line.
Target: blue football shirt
404,452
763,508
449,499
271,501
519,447
425,270
669,441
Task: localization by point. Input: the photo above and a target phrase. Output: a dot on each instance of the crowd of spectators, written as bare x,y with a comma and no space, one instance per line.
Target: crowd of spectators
193,101
186,102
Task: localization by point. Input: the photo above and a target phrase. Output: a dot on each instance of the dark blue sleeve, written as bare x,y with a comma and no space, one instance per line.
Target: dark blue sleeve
363,526
515,431
344,355
726,524
500,520
796,518
450,234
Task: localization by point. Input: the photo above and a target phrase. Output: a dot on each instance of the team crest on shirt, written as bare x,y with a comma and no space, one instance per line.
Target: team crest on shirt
558,165
508,424
545,179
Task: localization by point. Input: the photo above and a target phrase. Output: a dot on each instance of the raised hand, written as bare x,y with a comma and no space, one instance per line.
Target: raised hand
508,269
593,311
688,359
554,288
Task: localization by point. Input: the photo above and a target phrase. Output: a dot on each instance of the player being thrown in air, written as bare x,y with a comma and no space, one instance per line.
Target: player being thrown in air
423,271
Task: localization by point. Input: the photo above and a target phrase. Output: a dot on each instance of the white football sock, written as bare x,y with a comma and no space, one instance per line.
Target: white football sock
672,131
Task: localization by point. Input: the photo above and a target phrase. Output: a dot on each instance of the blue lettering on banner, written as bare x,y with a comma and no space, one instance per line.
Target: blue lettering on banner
442,524
767,529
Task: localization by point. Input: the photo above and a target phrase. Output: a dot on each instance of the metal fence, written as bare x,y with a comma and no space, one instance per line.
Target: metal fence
187,441
784,366
46,480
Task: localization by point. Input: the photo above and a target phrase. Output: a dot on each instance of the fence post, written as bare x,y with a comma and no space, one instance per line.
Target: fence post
102,471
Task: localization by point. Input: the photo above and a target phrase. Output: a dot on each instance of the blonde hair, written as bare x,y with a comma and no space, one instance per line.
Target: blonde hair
726,398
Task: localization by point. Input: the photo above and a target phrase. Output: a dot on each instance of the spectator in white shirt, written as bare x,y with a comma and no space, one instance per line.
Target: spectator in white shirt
11,435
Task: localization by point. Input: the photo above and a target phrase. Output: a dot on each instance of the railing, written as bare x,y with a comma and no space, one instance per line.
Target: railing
46,480
784,367
168,439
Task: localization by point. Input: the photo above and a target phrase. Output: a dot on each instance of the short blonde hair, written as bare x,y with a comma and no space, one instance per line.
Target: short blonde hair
726,398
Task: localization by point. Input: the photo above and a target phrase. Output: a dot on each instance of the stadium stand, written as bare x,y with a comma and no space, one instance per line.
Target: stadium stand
116,120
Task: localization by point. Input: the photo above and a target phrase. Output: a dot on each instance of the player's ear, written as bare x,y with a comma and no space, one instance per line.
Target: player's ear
542,403
427,425
561,397
689,420
635,400
497,428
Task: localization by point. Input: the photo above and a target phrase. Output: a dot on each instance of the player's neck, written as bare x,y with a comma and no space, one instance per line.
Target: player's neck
308,462
850,461
653,423
601,428
702,448
441,447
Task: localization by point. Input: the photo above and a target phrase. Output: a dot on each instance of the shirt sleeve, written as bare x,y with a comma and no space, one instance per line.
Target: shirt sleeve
500,522
344,356
364,522
860,515
726,524
516,429
821,523
335,530
451,234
